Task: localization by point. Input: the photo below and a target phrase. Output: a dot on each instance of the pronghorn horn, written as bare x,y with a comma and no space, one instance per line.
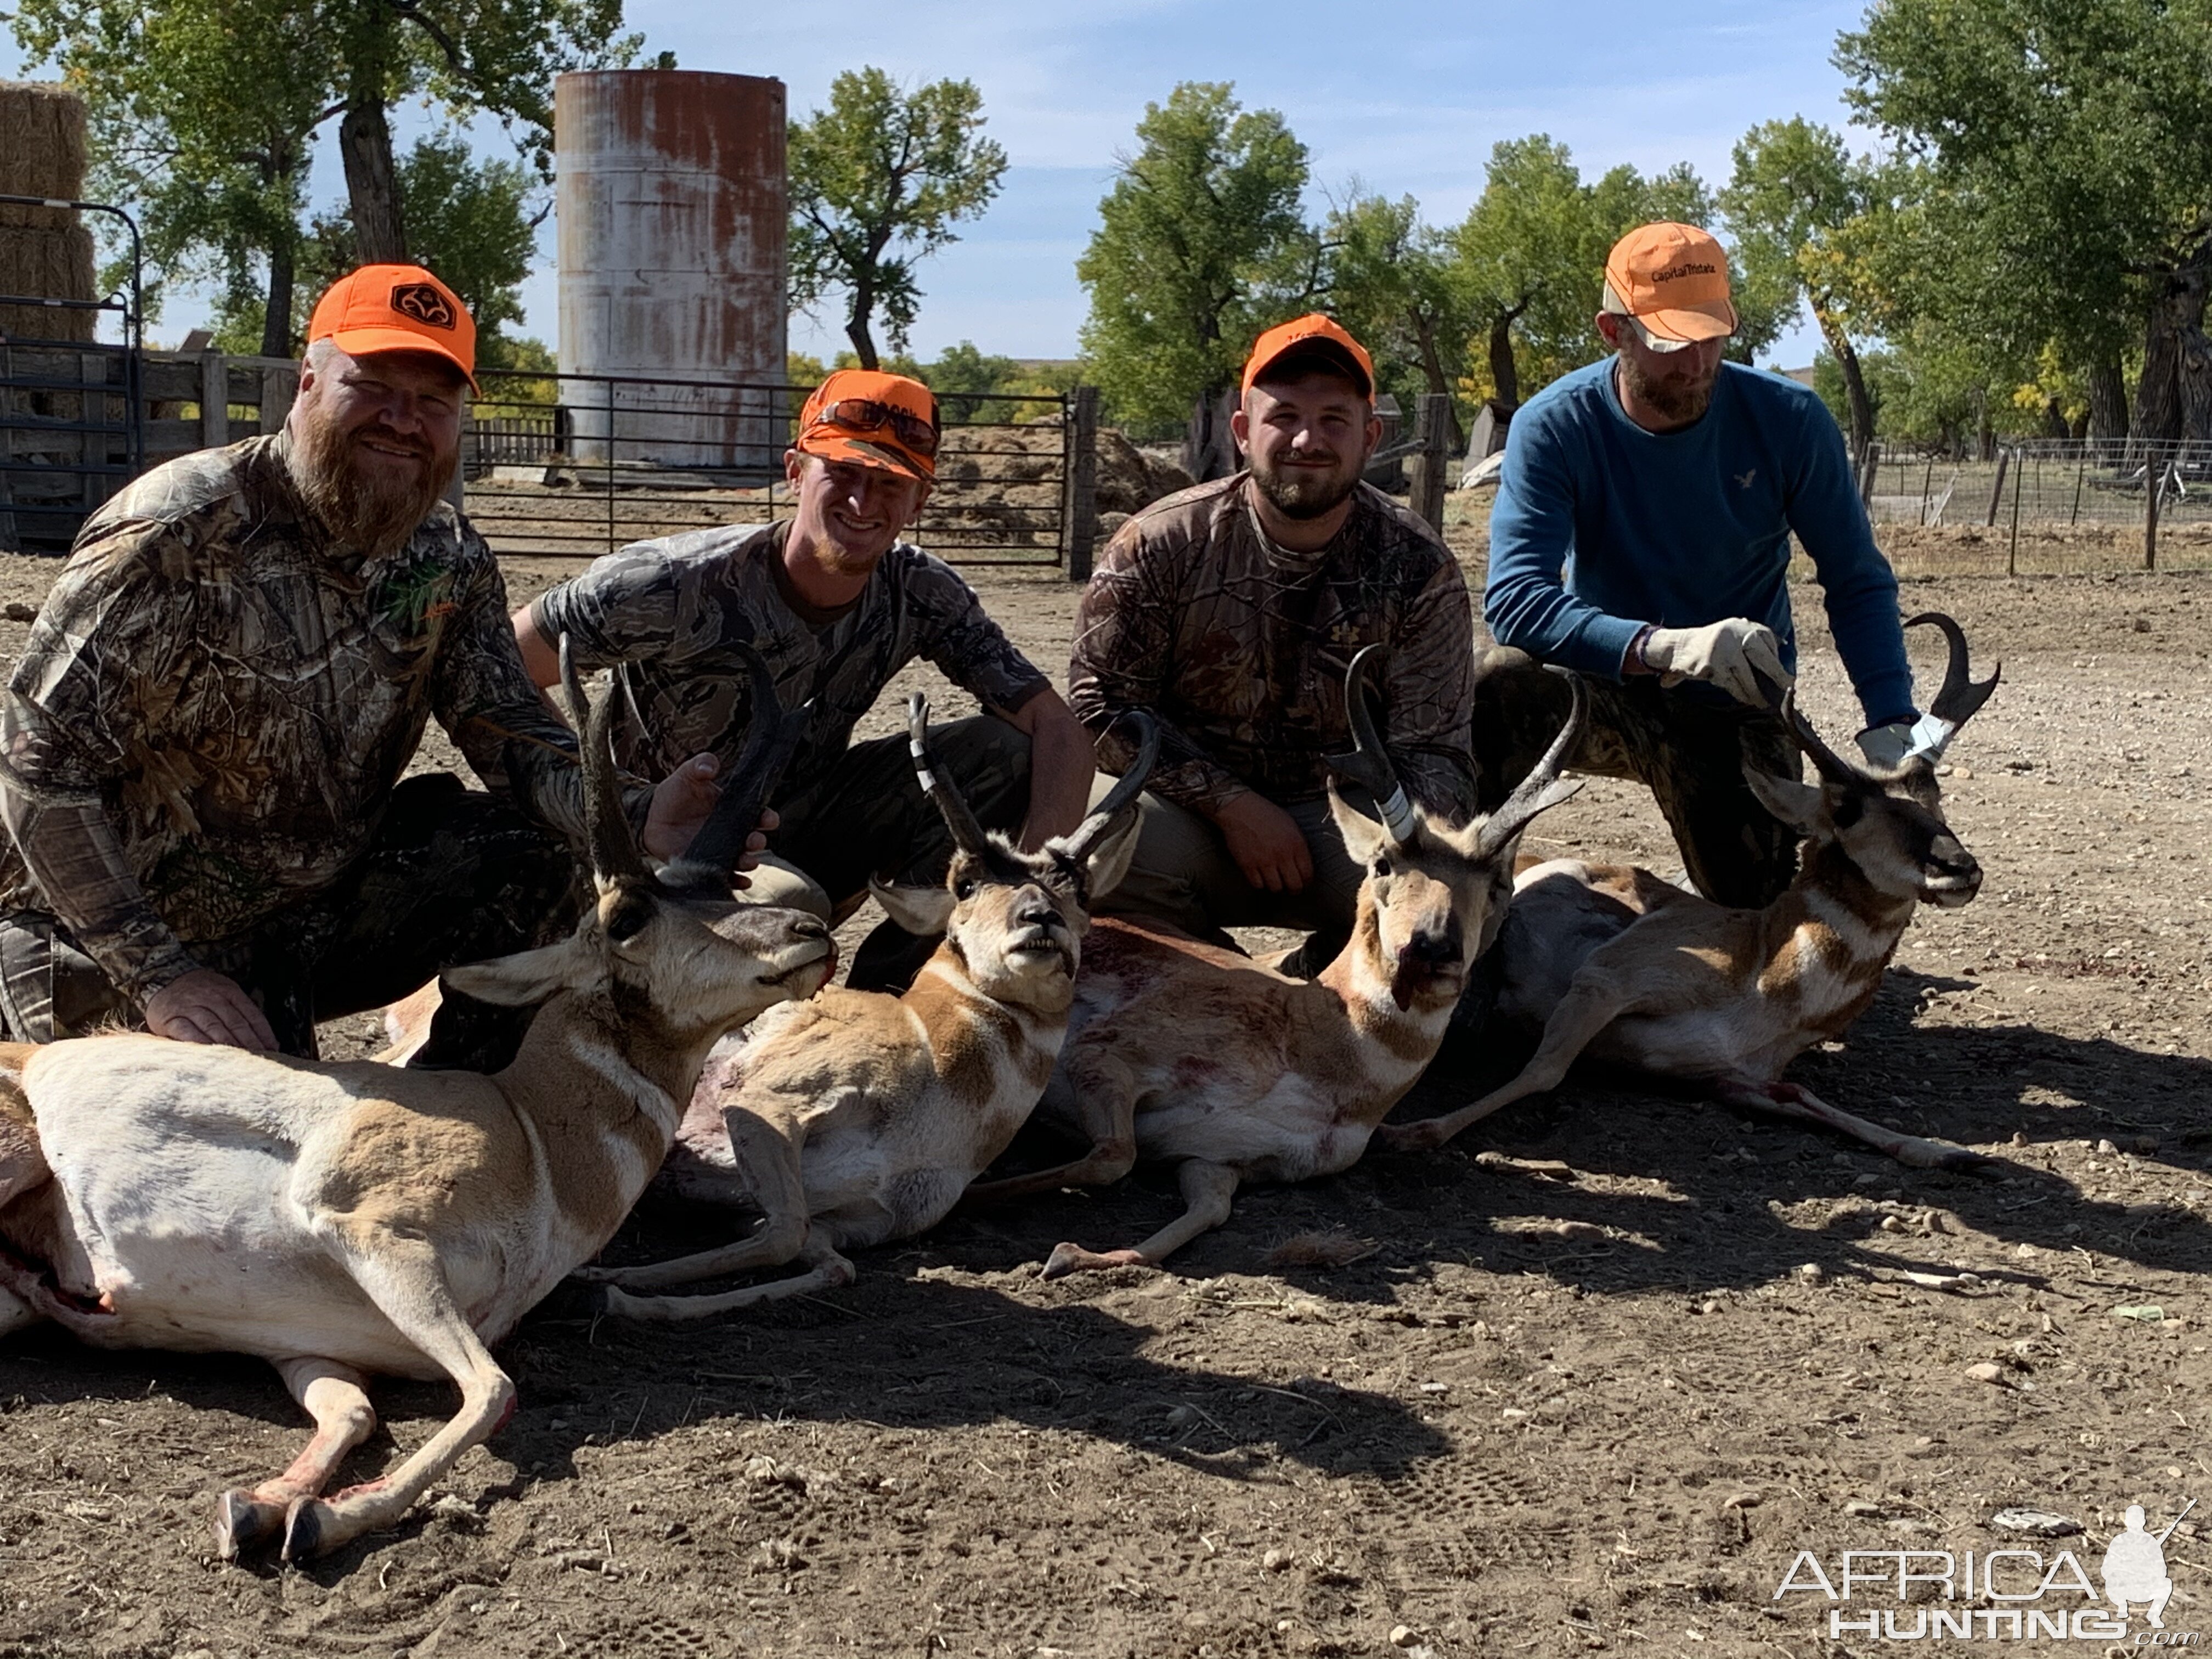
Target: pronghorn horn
606,828
966,834
1960,700
1829,765
772,737
1124,793
1368,764
1537,791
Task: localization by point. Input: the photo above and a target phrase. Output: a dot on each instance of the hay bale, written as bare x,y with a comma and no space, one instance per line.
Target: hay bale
44,251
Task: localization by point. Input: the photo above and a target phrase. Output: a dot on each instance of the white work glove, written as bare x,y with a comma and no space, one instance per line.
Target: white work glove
1737,655
1886,746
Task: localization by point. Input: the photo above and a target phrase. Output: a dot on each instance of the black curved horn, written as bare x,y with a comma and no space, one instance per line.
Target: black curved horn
1826,761
1126,789
966,834
1535,792
1960,699
1368,764
772,737
613,848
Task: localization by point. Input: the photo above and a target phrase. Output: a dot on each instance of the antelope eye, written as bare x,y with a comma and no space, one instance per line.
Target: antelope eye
1382,864
964,889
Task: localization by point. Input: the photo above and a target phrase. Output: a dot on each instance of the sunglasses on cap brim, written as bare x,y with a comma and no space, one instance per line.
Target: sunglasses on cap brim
862,416
1656,343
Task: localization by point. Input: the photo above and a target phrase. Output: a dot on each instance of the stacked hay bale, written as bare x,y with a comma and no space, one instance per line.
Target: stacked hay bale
43,251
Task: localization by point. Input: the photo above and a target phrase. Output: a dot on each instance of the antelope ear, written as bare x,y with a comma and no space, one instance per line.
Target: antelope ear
1800,806
1109,857
527,977
921,910
1363,836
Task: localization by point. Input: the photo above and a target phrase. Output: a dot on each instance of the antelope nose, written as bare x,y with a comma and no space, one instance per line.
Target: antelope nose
1431,949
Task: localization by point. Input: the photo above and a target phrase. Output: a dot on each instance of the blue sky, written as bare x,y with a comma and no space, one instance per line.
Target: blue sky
1407,99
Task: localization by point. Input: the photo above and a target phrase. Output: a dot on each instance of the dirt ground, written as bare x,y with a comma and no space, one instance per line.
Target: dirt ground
1608,1365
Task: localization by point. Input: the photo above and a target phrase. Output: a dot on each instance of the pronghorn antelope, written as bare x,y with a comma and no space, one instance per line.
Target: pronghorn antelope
1614,963
1181,1051
341,1220
859,1117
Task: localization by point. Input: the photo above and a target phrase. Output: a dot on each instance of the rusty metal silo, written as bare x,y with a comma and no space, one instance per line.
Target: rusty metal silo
672,211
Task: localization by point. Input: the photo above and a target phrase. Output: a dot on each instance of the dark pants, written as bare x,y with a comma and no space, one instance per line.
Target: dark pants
1688,751
454,876
866,815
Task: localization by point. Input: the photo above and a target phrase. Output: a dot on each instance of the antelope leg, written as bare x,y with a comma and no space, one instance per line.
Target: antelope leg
1792,1100
333,1396
403,1278
827,1271
1592,1003
1207,1189
768,1172
1106,1108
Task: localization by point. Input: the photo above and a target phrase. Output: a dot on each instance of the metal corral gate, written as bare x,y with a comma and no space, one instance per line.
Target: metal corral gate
72,416
576,466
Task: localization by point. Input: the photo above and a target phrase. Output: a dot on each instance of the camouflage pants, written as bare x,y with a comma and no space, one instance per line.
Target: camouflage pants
866,815
454,876
1689,753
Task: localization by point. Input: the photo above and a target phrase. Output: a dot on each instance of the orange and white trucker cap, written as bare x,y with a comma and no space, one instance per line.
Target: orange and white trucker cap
872,419
397,308
1313,333
1672,281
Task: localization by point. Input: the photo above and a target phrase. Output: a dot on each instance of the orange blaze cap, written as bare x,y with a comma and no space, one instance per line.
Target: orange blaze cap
1316,332
856,416
1673,279
396,308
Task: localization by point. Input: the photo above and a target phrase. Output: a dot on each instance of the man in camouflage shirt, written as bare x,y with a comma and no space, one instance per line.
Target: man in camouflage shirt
1231,612
837,604
200,751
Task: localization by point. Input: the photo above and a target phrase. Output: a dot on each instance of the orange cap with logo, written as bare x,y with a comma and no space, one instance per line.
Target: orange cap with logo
1324,337
396,308
872,419
1674,280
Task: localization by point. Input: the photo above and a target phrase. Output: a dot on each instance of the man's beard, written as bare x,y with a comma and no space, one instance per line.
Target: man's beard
373,509
1671,399
1303,492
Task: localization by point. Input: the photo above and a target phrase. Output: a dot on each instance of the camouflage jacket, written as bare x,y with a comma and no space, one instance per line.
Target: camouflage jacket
216,701
1239,647
665,615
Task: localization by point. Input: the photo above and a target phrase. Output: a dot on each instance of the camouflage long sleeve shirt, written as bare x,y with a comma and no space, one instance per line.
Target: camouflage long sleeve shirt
1238,649
216,702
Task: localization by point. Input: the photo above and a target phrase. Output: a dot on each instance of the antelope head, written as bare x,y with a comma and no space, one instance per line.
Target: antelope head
1018,919
672,950
1889,821
1434,894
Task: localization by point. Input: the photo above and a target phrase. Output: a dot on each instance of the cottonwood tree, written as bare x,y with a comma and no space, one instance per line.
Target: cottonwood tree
877,180
1200,245
1393,282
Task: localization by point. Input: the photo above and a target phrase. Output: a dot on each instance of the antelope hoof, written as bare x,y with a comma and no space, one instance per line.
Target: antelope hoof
243,1523
305,1527
1067,1259
1408,1137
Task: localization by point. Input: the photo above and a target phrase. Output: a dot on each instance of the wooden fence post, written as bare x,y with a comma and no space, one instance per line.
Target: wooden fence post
2012,549
1997,496
2154,486
215,400
1079,505
1433,429
279,388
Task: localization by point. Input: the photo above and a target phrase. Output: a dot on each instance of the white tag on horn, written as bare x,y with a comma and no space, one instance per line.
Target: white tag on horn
1398,814
1928,738
921,764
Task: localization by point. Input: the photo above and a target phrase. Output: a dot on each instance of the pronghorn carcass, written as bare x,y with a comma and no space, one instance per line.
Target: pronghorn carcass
1615,963
860,1117
344,1220
1181,1052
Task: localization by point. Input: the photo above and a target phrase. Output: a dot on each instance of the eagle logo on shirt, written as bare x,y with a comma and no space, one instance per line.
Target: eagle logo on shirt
1743,479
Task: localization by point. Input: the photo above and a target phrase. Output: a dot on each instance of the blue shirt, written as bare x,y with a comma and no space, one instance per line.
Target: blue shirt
1600,527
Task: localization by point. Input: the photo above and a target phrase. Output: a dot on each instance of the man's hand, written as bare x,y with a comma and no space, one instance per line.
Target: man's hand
1741,657
681,803
1267,843
205,1006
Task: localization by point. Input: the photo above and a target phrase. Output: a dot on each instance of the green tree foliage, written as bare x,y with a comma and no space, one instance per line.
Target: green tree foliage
1800,207
877,180
1200,245
2072,140
1393,282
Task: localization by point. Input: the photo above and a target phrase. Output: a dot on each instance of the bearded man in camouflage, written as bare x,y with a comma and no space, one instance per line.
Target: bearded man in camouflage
201,749
1231,612
837,604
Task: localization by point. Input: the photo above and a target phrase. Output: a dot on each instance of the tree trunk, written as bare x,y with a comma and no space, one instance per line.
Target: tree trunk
372,179
1504,373
1855,401
2108,404
2054,419
856,322
2173,375
1209,447
1432,371
277,318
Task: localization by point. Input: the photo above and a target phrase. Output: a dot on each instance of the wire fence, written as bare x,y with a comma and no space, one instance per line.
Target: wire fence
2046,507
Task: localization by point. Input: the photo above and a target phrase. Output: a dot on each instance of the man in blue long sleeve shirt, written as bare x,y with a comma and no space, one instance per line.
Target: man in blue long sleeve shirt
1641,537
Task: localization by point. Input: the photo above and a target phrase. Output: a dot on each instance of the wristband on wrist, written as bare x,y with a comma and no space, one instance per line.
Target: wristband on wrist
1635,654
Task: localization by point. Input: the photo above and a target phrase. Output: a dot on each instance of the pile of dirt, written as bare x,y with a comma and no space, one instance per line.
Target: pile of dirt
1129,480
